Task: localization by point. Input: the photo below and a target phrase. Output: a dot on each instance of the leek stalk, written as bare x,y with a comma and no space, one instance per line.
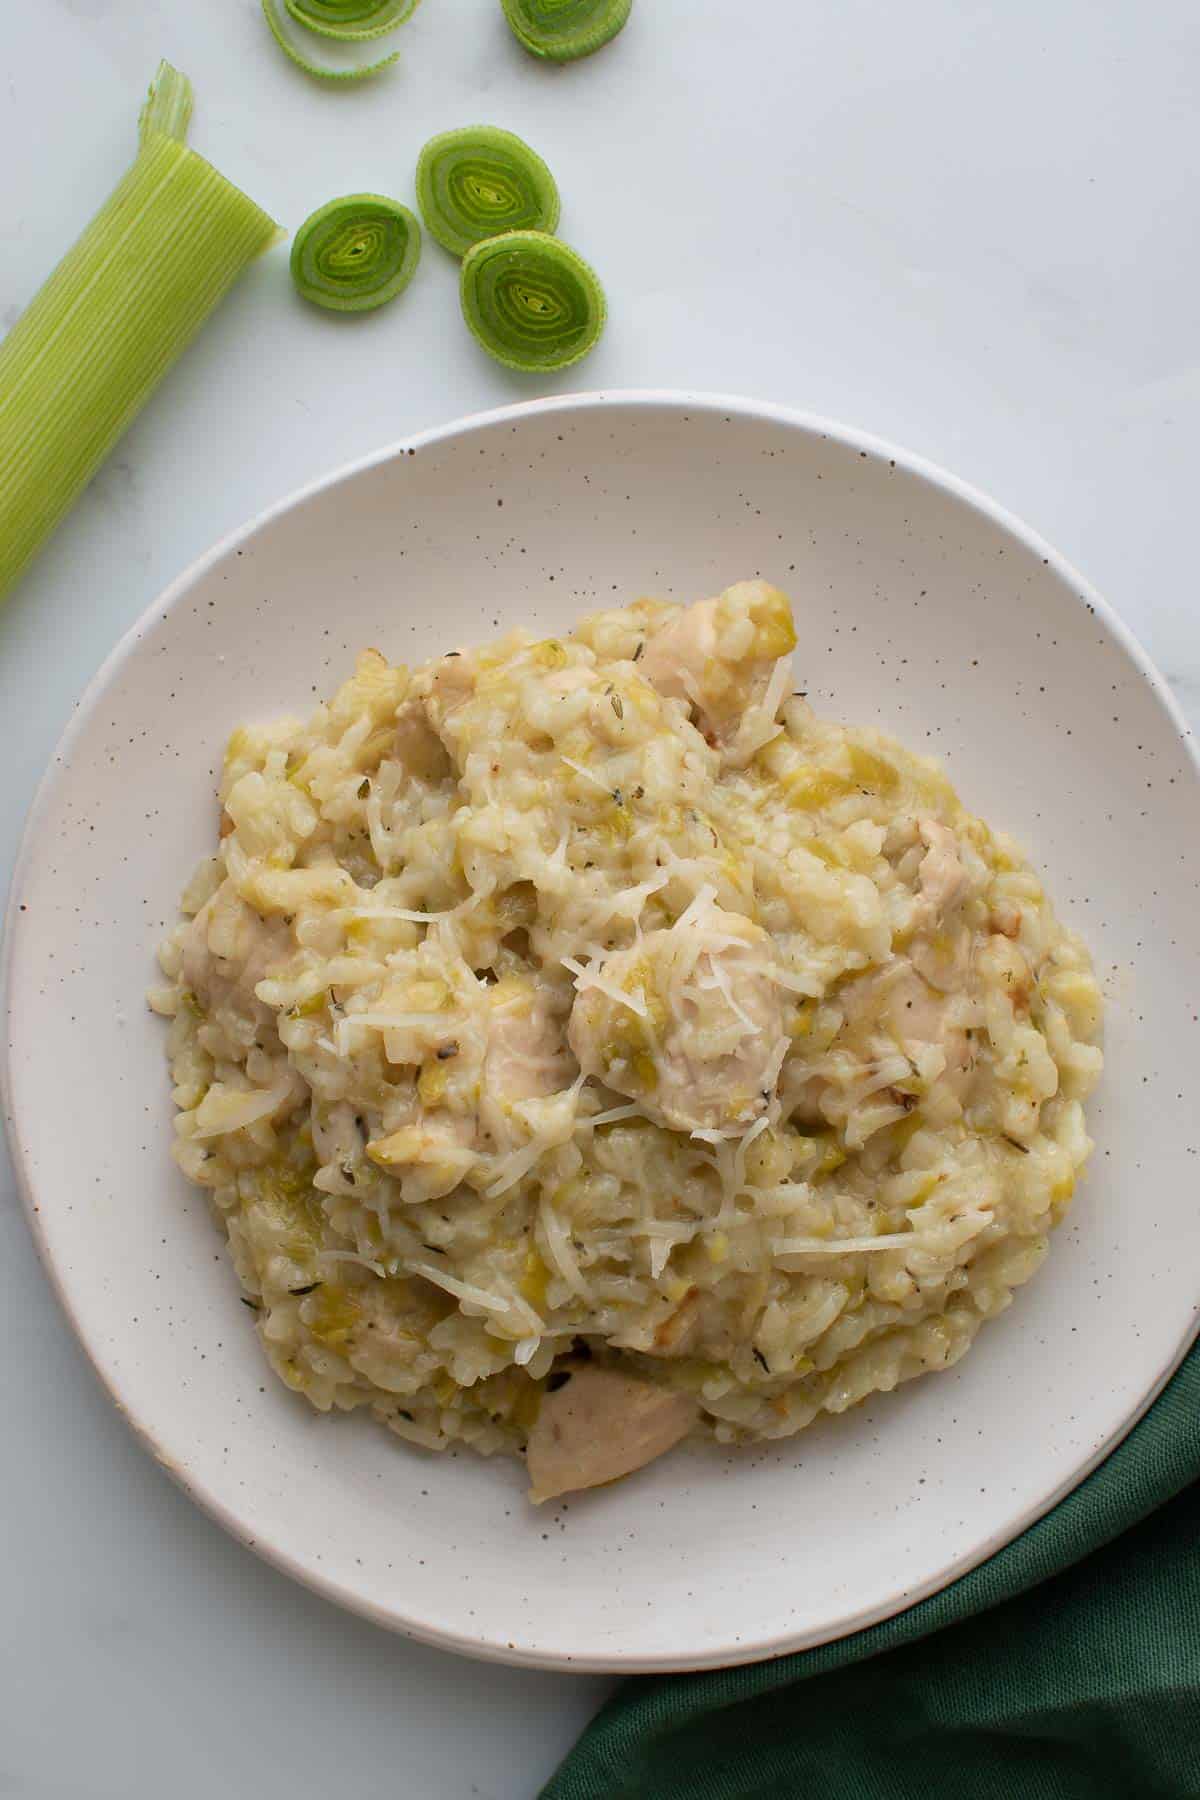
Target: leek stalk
112,318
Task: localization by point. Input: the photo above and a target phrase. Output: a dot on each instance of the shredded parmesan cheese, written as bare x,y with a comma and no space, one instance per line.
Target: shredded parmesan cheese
588,977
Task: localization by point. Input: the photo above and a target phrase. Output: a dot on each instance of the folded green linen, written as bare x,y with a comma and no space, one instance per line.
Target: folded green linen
1067,1667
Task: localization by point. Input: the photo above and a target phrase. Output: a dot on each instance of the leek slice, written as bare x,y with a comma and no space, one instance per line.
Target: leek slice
480,181
532,302
351,21
280,21
356,253
564,30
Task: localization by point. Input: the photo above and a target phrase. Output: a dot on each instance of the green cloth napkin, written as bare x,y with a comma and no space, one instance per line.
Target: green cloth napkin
1065,1668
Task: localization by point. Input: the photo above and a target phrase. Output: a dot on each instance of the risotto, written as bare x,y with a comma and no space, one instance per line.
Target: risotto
585,1044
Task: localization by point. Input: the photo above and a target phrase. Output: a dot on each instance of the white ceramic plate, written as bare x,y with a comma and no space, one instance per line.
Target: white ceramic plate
921,608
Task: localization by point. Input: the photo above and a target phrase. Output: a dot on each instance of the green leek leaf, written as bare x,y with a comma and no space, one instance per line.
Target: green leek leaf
168,105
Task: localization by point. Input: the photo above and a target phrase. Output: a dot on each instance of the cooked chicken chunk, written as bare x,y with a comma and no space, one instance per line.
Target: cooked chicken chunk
525,1056
718,655
480,1070
599,1426
943,881
441,692
916,1014
227,950
688,1022
895,1003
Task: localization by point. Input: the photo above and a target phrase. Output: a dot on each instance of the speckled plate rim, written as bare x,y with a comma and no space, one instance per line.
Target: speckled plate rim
205,1494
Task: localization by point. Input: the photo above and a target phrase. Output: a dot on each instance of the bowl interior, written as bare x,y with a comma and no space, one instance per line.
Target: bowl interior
918,610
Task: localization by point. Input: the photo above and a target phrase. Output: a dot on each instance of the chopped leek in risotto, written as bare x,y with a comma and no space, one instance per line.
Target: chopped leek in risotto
585,1044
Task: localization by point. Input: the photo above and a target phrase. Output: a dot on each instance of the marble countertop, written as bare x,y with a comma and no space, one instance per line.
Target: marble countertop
969,228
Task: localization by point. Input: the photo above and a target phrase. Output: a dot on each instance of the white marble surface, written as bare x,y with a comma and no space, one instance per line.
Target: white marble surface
971,228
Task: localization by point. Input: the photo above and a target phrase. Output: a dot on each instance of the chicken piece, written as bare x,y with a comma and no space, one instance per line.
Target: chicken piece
899,1000
944,960
227,951
678,654
525,1061
598,1426
719,655
441,691
913,1009
525,1056
481,1071
448,684
943,881
697,1038
418,746
395,1318
917,1014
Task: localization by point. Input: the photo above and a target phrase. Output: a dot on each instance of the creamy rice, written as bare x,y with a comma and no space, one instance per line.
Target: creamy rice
583,1042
